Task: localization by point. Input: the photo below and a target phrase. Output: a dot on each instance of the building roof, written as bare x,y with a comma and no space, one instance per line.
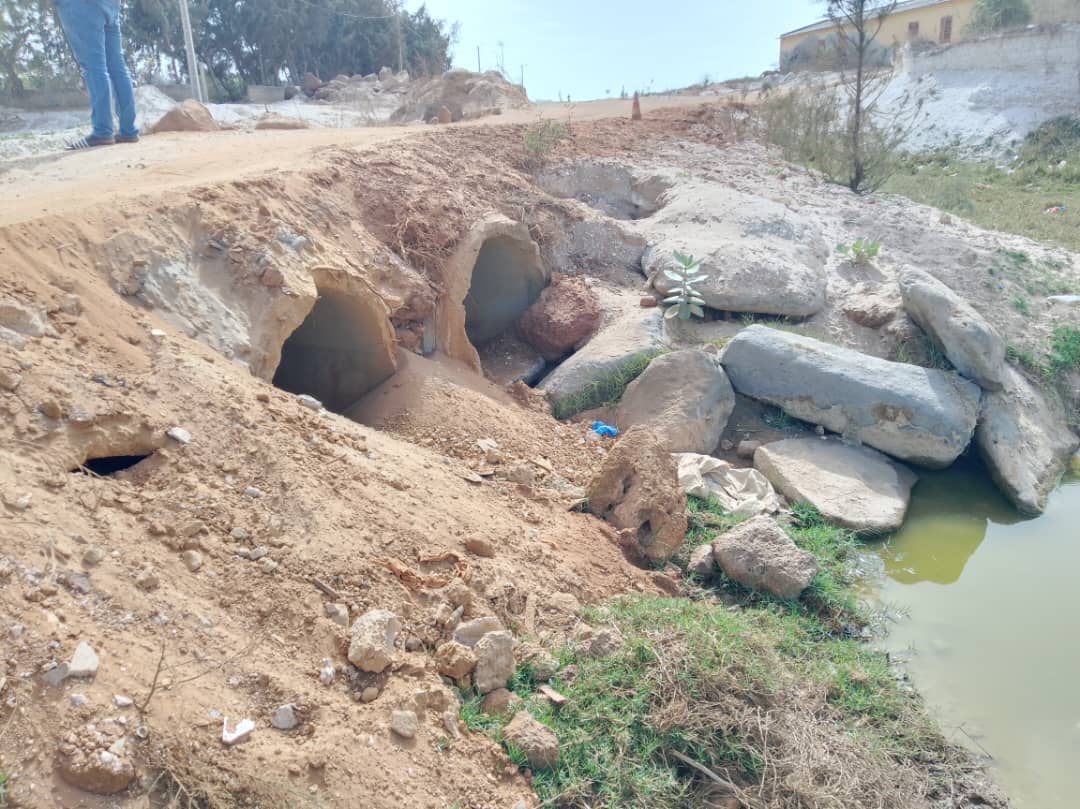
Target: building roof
826,24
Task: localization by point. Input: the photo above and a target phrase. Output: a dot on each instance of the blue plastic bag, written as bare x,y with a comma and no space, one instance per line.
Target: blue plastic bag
605,430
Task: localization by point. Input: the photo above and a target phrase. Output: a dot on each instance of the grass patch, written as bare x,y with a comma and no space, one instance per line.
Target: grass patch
3,787
606,390
736,694
1012,201
1064,350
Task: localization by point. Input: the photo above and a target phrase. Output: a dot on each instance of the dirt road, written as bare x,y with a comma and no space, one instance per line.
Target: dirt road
43,186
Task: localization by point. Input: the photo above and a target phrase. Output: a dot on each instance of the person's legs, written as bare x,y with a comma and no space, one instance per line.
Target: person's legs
84,25
118,72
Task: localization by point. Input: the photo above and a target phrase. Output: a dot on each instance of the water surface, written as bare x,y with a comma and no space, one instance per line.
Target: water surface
992,631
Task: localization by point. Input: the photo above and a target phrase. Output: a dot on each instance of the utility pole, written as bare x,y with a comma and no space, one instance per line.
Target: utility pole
478,70
400,42
192,61
523,77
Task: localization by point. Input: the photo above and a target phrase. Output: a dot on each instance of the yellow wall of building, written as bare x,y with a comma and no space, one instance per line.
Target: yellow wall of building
894,30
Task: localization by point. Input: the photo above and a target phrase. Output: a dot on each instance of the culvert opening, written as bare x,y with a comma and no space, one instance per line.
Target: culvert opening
339,353
109,465
505,282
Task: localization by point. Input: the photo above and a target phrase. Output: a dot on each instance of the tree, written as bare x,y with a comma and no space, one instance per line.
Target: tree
33,51
996,15
859,22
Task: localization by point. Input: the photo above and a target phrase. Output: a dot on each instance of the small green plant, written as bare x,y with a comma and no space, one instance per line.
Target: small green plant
860,251
1064,349
3,788
685,301
1021,305
778,419
542,137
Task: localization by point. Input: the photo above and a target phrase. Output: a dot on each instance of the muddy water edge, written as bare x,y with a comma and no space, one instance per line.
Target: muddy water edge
988,603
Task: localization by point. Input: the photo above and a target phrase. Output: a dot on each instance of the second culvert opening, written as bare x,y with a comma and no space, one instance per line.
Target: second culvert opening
339,353
505,282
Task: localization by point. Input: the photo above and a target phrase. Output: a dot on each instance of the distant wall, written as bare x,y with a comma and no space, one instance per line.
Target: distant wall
1051,52
1049,11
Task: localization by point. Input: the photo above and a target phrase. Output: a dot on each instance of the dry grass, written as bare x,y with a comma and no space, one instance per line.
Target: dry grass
184,780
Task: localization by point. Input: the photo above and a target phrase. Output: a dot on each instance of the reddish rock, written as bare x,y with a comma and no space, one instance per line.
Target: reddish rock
648,302
566,313
636,113
188,116
444,115
637,490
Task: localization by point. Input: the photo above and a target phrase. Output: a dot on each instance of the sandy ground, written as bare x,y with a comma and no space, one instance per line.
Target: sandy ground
57,183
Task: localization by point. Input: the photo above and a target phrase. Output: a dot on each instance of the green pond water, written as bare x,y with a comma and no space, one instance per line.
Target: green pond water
991,626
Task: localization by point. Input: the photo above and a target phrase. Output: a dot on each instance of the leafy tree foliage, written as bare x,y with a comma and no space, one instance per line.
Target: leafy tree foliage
240,41
997,15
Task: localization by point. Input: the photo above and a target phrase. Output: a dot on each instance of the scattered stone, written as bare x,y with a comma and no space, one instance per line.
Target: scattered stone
564,316
684,397
56,675
123,702
1023,439
597,643
78,700
921,415
648,302
147,580
268,566
746,449
238,534
552,696
702,562
637,491
327,673
470,632
854,487
257,553
871,305
544,665
87,763
9,380
310,402
84,663
76,582
253,492
759,554
179,435
537,741
450,722
501,702
404,724
22,319
454,660
444,116
338,613
494,661
372,644
284,717
237,732
16,341
480,547
970,343
193,560
51,409
369,694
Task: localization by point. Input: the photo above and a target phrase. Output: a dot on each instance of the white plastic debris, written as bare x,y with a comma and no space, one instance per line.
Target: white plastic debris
240,731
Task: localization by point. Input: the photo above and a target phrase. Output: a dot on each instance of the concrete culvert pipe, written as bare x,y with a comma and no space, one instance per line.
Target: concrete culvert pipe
342,350
493,277
505,282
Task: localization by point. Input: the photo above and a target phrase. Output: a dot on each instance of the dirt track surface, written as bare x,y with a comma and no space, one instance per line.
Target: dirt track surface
56,184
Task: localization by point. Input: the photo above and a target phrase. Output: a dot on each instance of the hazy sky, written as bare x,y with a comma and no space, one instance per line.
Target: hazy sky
588,47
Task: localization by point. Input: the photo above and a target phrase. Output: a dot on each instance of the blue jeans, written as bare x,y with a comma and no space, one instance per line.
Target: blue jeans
93,30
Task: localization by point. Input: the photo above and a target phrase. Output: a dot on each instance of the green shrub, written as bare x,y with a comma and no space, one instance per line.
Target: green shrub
860,251
685,301
997,15
542,137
